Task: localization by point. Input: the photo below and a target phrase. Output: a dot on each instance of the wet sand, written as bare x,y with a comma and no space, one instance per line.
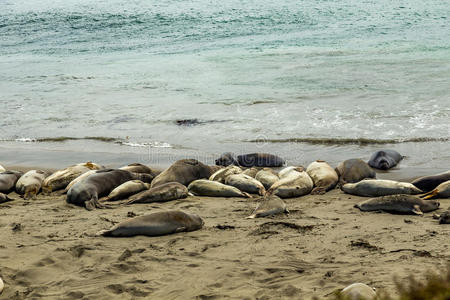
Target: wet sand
49,250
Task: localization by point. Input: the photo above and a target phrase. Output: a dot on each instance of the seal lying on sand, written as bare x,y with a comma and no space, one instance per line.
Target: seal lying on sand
30,183
269,206
221,174
354,170
246,183
86,192
323,175
183,171
8,180
79,178
156,224
60,179
140,168
161,193
428,183
267,177
403,204
293,183
126,190
441,191
358,291
250,160
4,198
208,188
376,188
385,159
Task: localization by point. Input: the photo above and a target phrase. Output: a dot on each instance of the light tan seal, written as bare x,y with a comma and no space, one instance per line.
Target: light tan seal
156,224
140,168
161,193
221,174
60,179
183,171
2,285
267,177
294,182
269,206
358,291
378,187
30,183
441,191
354,170
209,188
246,183
126,190
400,204
323,175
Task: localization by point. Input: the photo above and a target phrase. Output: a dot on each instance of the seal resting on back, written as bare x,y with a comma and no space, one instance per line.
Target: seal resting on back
250,160
183,171
8,180
156,224
402,204
323,175
354,170
385,159
376,188
428,183
30,183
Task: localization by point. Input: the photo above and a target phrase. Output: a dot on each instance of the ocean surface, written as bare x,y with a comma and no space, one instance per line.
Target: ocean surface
155,81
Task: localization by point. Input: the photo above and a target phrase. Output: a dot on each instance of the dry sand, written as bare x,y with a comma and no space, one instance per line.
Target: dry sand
49,249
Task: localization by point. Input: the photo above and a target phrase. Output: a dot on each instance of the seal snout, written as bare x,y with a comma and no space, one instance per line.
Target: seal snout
384,164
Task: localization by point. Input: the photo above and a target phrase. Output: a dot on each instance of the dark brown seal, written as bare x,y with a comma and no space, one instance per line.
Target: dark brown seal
183,171
354,170
250,160
428,183
8,180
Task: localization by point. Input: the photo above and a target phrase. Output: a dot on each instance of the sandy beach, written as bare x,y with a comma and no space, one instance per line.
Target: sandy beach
49,250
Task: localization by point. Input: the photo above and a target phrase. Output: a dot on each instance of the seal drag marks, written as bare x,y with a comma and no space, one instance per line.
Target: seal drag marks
49,250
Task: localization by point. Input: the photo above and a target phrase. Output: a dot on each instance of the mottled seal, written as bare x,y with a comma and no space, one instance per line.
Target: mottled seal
126,190
208,188
140,168
267,177
323,175
183,171
293,183
354,170
403,204
156,224
428,183
221,174
161,193
30,183
251,172
358,291
378,187
441,191
4,198
8,180
60,179
87,192
246,183
385,159
250,160
269,206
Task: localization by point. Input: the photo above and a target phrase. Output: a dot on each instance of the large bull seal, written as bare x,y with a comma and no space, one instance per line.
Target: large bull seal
8,180
354,170
183,171
250,160
428,183
385,159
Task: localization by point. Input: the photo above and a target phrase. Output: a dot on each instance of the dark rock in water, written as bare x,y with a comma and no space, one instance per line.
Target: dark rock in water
250,160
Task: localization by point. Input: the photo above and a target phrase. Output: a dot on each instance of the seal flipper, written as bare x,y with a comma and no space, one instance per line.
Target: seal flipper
430,195
318,191
93,204
416,210
180,229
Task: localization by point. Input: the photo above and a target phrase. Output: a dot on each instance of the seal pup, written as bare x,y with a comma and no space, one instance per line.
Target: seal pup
221,174
428,183
358,291
8,180
385,159
441,191
293,183
250,160
30,183
4,198
140,168
126,190
87,192
60,179
208,188
354,170
156,224
403,204
323,175
183,171
161,193
378,187
267,177
246,183
269,206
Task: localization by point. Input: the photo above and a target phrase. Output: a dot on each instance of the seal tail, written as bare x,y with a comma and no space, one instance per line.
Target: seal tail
247,195
103,233
251,216
430,195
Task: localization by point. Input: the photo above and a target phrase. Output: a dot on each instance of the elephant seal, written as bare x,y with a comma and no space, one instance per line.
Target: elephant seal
208,188
441,191
354,170
79,178
183,171
156,224
323,175
378,187
444,218
60,179
358,291
246,183
161,193
221,174
294,182
267,177
251,172
269,206
8,180
87,192
126,190
428,183
4,198
403,204
2,169
385,159
30,183
250,160
140,168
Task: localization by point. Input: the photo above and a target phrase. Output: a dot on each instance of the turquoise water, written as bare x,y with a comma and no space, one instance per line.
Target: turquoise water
317,75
